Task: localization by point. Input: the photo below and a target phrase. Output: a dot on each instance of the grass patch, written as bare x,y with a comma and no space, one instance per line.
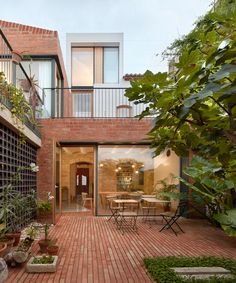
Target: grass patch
159,268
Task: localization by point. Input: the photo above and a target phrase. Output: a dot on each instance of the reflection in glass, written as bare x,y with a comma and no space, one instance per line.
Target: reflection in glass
124,170
82,66
111,65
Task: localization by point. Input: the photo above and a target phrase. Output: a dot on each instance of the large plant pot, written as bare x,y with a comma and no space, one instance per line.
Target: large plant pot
52,250
3,247
21,253
9,242
43,244
16,236
41,268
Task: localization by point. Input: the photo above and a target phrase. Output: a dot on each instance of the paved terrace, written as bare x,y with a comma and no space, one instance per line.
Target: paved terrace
93,250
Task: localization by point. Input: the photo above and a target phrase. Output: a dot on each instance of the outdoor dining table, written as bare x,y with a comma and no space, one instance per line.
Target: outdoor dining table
125,201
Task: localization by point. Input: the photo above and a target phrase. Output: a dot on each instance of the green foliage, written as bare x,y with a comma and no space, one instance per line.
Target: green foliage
227,221
20,108
195,106
45,259
161,272
44,206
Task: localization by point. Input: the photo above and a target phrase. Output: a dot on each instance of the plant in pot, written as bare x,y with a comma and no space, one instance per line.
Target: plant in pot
52,249
164,191
45,207
6,209
39,264
21,253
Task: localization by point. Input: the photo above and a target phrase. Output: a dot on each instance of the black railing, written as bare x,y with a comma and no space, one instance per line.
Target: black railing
94,102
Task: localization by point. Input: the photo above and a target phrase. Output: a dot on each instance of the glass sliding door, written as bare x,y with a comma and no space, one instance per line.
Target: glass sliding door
122,171
77,179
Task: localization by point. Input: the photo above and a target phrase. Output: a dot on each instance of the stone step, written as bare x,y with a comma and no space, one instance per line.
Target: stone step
201,270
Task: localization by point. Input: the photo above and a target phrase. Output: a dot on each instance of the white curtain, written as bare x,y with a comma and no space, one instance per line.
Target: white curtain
45,81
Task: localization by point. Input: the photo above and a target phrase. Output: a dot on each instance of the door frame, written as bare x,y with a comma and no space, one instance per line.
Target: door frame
60,145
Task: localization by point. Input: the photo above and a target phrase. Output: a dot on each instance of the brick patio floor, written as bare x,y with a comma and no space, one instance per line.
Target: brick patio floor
93,250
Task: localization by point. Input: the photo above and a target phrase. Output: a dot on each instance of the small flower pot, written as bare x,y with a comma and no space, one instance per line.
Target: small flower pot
43,244
52,250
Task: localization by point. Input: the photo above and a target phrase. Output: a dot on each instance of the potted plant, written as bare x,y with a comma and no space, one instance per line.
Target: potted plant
163,191
6,241
39,264
21,253
3,247
44,208
52,249
45,242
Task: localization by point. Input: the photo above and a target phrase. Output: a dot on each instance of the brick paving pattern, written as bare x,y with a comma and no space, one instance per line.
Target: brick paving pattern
93,250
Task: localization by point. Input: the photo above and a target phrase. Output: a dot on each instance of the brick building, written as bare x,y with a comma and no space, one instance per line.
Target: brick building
91,143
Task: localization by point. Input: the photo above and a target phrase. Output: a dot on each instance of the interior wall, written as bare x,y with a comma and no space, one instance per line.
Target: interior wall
69,158
165,166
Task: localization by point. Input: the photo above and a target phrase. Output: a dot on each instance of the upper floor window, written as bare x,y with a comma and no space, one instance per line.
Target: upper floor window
91,65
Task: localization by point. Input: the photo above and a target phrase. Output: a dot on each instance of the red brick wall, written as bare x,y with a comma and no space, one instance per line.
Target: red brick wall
79,129
28,40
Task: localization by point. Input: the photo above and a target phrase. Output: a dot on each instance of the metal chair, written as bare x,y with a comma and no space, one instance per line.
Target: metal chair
114,208
86,199
172,218
128,218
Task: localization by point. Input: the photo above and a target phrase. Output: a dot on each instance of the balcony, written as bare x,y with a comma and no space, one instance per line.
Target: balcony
13,73
93,102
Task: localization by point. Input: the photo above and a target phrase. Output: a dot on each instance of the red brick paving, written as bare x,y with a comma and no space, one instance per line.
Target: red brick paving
93,250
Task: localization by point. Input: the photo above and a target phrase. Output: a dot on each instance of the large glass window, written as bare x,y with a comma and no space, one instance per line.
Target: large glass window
123,170
111,65
82,66
94,65
40,72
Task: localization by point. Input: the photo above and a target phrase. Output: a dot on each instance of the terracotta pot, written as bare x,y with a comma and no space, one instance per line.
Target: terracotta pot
16,236
52,250
43,244
3,248
9,241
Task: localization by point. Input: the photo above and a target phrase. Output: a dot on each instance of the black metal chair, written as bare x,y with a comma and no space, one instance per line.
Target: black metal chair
172,218
113,207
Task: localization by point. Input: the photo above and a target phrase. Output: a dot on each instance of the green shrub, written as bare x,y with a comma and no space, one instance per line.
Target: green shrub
161,272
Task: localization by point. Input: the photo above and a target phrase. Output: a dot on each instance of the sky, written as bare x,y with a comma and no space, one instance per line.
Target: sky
149,26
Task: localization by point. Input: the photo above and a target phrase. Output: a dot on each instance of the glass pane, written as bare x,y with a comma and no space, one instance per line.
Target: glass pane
41,74
124,171
82,66
111,62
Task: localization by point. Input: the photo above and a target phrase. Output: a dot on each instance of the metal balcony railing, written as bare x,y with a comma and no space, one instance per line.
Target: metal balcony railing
94,102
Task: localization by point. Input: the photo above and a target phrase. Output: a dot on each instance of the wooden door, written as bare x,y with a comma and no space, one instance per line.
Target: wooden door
82,181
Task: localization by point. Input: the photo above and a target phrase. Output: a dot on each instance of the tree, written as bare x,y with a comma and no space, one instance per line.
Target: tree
195,106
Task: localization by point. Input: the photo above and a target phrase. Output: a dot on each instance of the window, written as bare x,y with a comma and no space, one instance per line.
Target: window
82,67
124,170
41,73
110,65
94,65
